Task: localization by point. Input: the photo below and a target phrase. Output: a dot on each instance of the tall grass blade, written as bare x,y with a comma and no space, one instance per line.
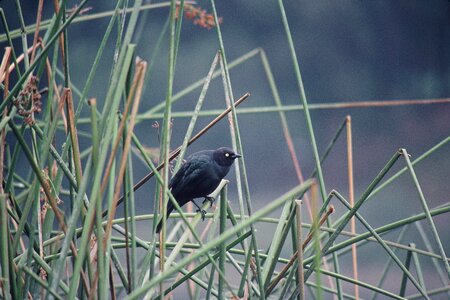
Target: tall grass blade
424,204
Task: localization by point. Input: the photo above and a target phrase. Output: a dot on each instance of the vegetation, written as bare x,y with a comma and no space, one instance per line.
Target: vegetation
60,236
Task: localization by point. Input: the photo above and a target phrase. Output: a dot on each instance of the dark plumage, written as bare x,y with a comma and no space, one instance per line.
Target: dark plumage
199,176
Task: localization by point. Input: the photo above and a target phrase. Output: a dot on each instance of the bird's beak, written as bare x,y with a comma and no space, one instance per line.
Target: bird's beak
236,155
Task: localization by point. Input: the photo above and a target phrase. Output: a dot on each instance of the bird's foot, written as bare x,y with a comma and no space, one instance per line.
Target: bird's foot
200,210
203,212
211,200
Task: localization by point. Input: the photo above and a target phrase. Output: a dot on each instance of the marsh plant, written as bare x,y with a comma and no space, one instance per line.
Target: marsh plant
71,207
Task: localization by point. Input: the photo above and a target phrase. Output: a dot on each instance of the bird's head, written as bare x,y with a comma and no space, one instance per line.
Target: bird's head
225,156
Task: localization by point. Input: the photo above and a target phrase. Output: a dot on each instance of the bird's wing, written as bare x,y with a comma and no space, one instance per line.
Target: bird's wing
178,175
190,175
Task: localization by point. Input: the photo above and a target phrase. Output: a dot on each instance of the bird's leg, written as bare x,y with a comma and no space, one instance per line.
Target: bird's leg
200,210
209,199
198,207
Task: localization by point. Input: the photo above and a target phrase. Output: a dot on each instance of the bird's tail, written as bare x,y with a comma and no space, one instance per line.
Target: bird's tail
169,210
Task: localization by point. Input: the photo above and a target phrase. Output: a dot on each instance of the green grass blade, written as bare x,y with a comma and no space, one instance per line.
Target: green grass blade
403,267
424,204
222,248
223,237
389,263
437,266
40,57
357,205
4,236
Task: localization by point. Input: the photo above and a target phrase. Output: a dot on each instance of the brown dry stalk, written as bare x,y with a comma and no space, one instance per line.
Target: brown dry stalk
19,59
73,134
298,170
61,36
3,71
46,186
36,31
56,90
175,153
60,110
121,128
133,98
5,65
308,238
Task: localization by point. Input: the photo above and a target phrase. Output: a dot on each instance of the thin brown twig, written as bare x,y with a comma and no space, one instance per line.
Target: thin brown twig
3,69
142,67
47,187
56,91
135,93
119,135
299,173
5,65
19,59
308,238
61,37
54,204
73,135
36,31
67,95
60,218
298,170
175,153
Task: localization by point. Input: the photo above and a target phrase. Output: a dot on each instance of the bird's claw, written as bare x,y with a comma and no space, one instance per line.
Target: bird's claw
203,212
210,199
200,210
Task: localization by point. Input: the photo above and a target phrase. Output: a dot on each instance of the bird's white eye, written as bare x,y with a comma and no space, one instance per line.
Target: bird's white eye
227,154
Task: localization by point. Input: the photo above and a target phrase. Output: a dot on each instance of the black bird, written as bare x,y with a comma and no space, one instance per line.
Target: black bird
199,176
